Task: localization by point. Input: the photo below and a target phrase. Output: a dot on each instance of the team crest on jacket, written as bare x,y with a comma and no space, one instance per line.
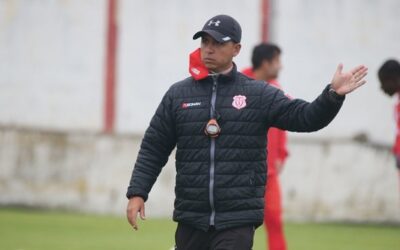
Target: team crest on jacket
239,101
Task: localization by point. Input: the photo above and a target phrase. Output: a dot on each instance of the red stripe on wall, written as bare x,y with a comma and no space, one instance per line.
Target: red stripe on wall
110,67
265,17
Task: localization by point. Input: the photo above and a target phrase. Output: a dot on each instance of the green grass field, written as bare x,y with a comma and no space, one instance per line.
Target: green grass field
22,229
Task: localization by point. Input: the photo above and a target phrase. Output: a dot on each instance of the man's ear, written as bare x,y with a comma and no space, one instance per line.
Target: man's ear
266,64
237,48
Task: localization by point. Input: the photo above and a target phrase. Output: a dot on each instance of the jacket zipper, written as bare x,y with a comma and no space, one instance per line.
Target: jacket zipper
212,153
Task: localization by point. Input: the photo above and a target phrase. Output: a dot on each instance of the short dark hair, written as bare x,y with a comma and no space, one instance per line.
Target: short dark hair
389,70
389,76
264,51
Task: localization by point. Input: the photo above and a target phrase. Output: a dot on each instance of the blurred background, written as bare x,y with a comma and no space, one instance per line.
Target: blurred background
80,80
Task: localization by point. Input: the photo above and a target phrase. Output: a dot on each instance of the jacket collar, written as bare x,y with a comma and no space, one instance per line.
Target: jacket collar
199,72
229,77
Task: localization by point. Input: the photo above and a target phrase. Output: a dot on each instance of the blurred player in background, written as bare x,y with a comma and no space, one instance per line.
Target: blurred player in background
389,76
266,66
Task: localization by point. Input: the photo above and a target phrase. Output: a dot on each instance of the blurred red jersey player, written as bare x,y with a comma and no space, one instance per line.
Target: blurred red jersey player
266,66
389,76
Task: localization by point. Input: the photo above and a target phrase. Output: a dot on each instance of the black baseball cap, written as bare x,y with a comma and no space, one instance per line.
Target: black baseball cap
222,28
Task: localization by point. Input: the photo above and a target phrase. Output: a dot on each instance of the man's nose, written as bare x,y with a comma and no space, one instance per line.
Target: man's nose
209,48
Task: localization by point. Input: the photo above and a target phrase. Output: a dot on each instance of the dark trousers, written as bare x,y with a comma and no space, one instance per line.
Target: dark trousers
189,238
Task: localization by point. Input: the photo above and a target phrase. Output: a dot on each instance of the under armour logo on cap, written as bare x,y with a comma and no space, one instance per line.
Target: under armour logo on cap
222,28
216,23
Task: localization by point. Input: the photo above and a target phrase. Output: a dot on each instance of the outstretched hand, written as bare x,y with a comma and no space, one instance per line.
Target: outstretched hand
345,82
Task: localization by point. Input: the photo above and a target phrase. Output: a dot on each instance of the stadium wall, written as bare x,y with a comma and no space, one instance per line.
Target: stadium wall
324,180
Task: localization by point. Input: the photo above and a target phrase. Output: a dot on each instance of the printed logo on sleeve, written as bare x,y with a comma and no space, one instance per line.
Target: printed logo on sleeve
186,105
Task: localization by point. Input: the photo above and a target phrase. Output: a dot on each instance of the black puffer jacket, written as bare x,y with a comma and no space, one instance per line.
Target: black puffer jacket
221,181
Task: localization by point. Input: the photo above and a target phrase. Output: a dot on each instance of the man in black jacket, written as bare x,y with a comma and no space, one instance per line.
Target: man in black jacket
218,119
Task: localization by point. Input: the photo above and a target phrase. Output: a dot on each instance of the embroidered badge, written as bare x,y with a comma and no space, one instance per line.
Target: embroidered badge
239,101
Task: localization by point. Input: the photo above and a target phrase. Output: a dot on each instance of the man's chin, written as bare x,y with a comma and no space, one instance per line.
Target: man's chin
274,77
210,67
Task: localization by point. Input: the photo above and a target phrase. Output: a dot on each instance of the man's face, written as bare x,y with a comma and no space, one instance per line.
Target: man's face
272,68
216,56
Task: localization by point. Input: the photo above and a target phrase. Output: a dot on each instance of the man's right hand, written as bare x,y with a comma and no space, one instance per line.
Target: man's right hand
135,206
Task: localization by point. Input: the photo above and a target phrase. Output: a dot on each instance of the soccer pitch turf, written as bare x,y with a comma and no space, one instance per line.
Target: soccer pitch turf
22,229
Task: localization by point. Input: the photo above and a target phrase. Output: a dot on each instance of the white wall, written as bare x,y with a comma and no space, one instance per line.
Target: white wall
322,180
317,35
340,179
51,63
52,57
81,171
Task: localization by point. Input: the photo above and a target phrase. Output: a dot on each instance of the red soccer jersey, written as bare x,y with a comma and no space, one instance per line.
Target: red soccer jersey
277,138
396,146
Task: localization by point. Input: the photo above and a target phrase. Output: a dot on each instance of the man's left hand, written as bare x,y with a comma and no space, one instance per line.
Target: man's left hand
345,82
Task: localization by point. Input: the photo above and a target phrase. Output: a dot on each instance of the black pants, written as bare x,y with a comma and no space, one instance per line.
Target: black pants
189,238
